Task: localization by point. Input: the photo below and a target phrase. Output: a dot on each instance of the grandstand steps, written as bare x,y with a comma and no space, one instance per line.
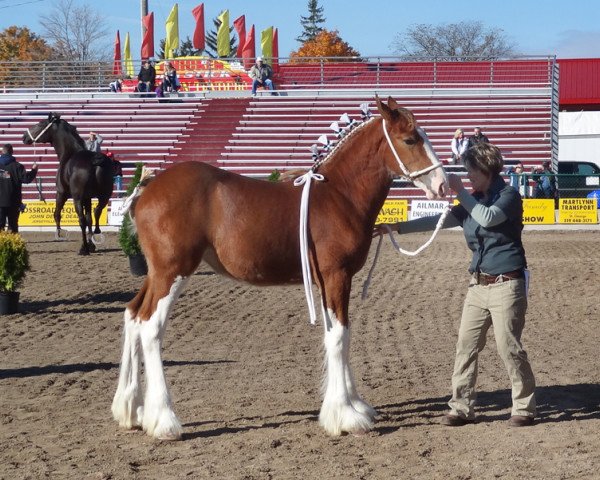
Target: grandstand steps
208,133
134,129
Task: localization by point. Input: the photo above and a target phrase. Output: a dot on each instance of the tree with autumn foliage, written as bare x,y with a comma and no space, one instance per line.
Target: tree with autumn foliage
325,44
18,47
19,43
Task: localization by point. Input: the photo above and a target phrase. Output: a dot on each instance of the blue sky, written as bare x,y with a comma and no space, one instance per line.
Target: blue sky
568,29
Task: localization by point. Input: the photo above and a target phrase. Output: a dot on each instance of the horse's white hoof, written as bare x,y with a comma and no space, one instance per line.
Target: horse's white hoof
336,420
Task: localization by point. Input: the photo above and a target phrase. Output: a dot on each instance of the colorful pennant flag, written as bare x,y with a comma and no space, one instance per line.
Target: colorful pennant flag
240,27
148,38
199,40
266,43
117,70
249,51
172,27
223,45
127,57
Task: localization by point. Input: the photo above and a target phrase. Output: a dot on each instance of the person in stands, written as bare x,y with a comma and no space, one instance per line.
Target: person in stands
170,81
94,142
146,77
12,177
477,137
116,86
261,74
458,146
492,222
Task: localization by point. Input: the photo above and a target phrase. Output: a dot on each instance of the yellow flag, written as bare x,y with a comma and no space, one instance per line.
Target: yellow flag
266,43
223,46
172,38
127,57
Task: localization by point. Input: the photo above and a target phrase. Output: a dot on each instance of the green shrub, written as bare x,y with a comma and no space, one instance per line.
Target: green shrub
14,261
128,239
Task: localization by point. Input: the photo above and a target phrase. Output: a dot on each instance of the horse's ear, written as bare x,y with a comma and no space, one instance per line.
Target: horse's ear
53,116
386,112
393,104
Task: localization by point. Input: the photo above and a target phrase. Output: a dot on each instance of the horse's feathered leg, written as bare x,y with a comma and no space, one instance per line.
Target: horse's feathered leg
127,405
342,410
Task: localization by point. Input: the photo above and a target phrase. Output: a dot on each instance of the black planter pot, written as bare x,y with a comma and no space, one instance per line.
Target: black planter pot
9,303
138,265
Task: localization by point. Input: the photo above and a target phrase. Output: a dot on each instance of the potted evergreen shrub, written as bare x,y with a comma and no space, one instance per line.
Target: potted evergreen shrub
128,240
14,263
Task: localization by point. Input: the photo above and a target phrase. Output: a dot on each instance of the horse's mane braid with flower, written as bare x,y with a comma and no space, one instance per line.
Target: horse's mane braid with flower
340,142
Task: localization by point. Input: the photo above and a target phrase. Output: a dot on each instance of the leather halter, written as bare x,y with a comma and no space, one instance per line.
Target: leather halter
407,173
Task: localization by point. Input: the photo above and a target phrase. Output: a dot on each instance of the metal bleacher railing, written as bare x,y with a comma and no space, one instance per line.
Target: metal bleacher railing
321,72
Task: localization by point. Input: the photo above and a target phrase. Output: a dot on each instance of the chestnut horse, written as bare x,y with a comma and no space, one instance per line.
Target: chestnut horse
81,174
248,229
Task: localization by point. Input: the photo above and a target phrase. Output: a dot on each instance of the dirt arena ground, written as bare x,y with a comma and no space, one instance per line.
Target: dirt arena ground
244,367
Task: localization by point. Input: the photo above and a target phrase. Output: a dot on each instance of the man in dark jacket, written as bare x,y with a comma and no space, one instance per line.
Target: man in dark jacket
477,137
12,177
146,77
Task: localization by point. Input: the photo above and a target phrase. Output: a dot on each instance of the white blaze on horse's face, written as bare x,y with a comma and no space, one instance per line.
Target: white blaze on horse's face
435,182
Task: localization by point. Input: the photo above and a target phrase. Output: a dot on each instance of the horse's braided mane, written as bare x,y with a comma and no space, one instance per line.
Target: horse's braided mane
339,144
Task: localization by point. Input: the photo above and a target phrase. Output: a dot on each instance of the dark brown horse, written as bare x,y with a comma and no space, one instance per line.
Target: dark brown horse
248,229
82,175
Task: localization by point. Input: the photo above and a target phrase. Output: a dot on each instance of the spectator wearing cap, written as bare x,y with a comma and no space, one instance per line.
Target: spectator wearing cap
261,74
146,77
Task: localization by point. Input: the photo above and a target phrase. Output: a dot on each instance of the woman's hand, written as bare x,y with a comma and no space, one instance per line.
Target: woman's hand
382,229
455,183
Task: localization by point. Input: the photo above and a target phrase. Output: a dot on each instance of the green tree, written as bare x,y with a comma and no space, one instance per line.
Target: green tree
311,23
186,49
453,41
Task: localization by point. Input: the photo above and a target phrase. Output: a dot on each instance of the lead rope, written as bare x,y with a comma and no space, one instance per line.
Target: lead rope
306,180
438,227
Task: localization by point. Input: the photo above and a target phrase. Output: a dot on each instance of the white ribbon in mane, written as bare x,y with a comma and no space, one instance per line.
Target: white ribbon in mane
306,180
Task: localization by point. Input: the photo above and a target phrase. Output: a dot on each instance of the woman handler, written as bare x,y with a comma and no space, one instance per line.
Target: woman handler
492,222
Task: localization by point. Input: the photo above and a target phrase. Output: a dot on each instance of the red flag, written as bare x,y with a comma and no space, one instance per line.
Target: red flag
248,53
148,40
240,27
275,61
199,41
117,70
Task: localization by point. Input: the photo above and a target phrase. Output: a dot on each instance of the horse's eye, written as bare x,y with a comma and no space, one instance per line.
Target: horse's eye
410,141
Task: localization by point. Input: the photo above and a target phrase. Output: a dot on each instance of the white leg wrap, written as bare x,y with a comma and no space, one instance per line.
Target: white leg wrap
127,403
338,414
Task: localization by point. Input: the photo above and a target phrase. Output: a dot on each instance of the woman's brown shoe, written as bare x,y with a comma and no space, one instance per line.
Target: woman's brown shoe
520,421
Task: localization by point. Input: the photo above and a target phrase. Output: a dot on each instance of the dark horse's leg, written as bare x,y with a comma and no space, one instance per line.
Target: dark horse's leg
87,212
61,198
102,202
79,208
